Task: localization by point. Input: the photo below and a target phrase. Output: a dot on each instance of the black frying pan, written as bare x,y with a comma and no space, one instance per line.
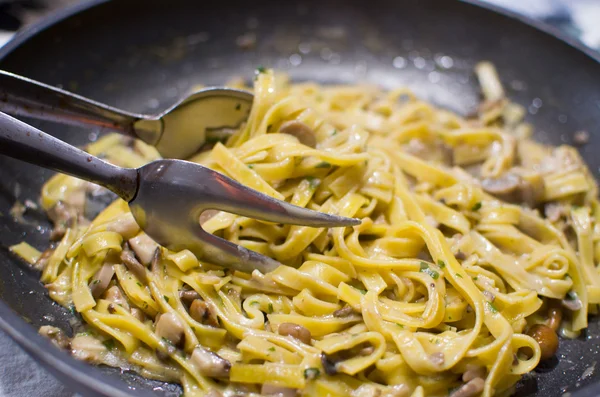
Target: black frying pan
141,55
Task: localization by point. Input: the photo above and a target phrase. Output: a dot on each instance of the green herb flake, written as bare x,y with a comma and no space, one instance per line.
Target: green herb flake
362,291
73,310
458,275
251,166
427,270
475,278
400,325
334,132
313,182
109,344
271,349
270,308
139,284
441,263
255,303
476,207
166,298
311,373
260,69
491,307
323,164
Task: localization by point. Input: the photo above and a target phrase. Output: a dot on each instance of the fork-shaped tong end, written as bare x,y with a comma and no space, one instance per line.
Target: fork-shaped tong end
172,194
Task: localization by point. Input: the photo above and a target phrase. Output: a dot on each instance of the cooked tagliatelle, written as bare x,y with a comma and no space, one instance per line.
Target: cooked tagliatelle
476,247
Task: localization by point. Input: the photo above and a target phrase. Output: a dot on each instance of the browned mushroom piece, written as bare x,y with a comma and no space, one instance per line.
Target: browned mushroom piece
344,311
304,133
546,338
100,280
56,336
469,389
169,327
114,295
528,189
210,364
133,264
554,315
271,390
296,331
188,296
201,312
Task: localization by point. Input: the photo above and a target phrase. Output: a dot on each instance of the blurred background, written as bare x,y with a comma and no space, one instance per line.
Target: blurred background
19,374
578,18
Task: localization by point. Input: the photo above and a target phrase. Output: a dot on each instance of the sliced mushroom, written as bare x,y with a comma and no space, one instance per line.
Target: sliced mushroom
188,296
101,279
114,295
144,247
469,389
154,266
87,348
504,185
125,225
169,327
344,311
296,331
304,133
138,314
210,364
56,336
366,351
271,390
554,211
133,264
572,304
200,312
61,216
472,372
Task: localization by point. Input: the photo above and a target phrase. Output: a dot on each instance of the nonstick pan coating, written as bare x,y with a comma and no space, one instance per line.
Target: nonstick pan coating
142,54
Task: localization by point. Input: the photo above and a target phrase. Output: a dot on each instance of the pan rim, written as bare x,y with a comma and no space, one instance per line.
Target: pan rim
88,377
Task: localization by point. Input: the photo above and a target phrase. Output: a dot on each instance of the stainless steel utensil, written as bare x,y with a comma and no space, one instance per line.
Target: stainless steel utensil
167,197
177,132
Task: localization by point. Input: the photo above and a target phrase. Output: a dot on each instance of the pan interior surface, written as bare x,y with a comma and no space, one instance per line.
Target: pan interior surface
143,55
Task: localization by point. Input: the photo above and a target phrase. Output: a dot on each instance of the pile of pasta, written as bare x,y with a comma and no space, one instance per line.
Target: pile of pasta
471,235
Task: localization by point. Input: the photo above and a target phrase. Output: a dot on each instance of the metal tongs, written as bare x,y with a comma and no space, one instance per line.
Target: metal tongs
166,197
